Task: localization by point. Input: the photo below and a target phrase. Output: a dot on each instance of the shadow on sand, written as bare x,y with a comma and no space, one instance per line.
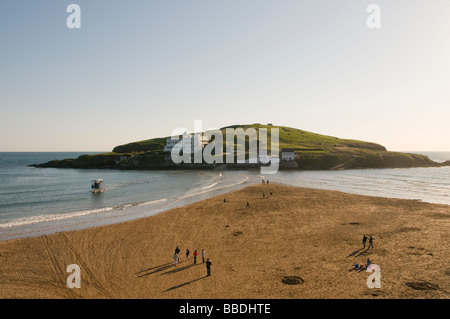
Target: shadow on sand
155,269
177,269
358,252
363,252
355,252
185,284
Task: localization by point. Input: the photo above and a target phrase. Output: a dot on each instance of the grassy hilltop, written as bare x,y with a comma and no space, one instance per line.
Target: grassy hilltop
312,151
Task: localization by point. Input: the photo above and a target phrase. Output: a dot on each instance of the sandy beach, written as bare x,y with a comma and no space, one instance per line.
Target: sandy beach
310,236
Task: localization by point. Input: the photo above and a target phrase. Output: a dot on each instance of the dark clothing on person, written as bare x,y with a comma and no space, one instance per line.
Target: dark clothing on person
364,240
370,242
208,267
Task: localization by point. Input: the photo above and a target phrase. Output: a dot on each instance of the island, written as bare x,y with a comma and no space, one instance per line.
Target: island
298,150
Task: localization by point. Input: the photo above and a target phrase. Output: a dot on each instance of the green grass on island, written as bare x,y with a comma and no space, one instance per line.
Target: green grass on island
312,151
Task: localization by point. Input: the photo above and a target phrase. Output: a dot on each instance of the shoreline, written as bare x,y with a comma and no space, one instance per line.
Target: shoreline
309,233
33,227
238,167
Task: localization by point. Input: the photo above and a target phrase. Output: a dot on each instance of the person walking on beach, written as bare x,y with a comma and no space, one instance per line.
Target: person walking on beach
364,240
175,259
177,250
370,242
187,253
203,256
248,204
195,256
208,267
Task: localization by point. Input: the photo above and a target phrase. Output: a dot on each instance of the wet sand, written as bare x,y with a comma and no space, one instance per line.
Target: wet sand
311,236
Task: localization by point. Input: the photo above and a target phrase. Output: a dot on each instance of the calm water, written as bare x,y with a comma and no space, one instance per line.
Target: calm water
426,184
43,200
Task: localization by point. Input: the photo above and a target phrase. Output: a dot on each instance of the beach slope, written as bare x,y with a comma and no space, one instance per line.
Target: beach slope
297,243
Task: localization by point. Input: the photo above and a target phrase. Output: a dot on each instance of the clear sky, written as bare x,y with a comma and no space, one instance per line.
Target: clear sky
139,69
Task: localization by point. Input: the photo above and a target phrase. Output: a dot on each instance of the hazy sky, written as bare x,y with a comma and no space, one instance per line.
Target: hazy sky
139,69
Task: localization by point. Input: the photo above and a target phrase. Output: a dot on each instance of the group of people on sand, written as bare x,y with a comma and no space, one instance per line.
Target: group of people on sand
176,258
364,241
270,194
361,266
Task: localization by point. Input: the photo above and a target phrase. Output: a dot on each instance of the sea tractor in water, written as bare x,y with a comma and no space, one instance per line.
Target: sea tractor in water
97,186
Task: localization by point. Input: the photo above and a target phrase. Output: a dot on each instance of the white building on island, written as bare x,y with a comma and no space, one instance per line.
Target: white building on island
189,143
264,159
287,154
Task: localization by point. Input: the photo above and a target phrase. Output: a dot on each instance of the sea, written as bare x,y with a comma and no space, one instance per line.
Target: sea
38,201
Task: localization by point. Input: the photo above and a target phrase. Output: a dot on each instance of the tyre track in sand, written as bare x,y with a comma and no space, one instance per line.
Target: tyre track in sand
94,281
58,272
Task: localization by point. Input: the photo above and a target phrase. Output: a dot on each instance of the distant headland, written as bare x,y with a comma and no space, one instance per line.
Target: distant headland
298,150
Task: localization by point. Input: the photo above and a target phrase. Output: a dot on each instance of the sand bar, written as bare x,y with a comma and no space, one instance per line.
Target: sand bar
310,235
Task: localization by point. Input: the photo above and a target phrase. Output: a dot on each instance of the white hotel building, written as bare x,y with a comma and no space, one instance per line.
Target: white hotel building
191,143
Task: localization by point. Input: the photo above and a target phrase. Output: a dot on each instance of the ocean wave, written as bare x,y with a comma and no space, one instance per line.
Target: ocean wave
114,186
54,217
49,218
150,202
216,180
214,189
209,186
63,216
